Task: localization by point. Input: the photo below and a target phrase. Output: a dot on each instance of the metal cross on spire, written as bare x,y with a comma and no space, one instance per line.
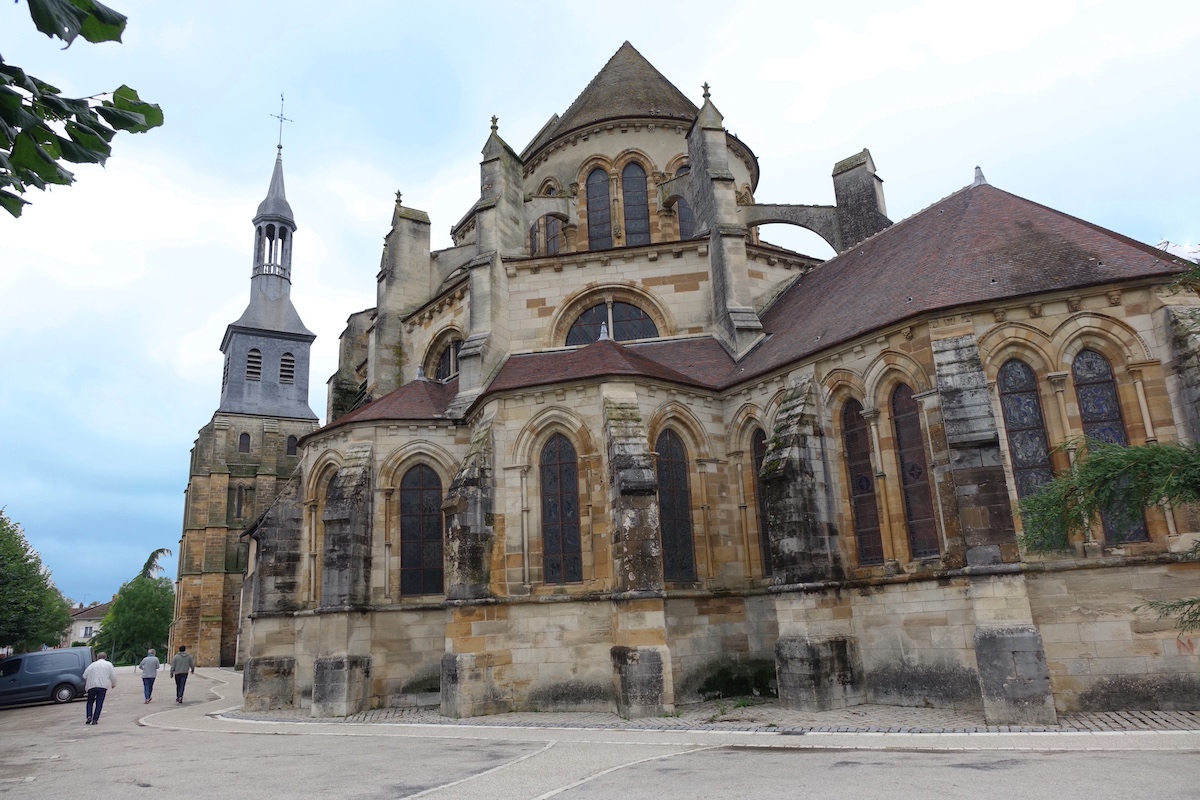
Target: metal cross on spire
282,119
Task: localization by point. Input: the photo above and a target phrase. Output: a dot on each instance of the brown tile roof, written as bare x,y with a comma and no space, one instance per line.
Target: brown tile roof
979,245
627,86
415,400
98,611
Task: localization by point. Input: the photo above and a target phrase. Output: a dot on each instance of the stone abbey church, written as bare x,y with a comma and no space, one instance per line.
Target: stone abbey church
612,451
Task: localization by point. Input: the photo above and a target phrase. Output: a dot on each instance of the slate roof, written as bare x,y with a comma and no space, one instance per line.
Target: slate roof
627,86
275,204
979,245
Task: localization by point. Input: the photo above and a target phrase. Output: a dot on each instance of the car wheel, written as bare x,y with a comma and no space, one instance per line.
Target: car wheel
63,693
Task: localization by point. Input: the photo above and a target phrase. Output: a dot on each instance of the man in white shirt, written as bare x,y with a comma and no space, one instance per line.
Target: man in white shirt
98,678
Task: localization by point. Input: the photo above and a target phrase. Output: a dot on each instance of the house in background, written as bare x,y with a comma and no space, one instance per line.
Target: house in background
85,622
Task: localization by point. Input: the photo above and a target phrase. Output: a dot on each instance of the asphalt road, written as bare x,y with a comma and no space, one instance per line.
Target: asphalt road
165,751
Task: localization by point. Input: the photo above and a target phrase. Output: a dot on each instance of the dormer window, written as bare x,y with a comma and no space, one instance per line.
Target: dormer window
287,369
624,321
254,366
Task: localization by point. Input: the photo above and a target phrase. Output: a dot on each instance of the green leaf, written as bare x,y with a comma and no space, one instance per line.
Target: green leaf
28,155
122,120
11,202
78,154
67,19
127,99
86,137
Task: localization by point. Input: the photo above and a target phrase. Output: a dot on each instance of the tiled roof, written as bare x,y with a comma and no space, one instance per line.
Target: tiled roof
979,245
415,400
627,86
98,611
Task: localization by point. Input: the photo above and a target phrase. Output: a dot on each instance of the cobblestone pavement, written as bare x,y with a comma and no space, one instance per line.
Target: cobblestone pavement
769,716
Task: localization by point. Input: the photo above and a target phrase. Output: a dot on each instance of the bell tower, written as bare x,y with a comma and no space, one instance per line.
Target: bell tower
244,456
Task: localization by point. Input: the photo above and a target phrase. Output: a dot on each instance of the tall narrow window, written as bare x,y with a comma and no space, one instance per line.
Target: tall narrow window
421,529
533,240
562,549
254,366
239,502
291,445
599,211
637,207
1027,443
1100,411
287,368
244,443
683,212
914,475
758,453
675,509
856,433
553,227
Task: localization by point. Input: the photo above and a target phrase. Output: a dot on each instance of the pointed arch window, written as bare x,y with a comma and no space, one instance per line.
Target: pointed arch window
1028,446
636,203
1100,411
244,443
683,211
625,322
856,434
758,454
599,210
287,368
254,365
675,509
562,547
422,526
914,475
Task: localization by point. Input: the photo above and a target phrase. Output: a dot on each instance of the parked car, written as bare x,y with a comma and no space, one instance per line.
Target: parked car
44,675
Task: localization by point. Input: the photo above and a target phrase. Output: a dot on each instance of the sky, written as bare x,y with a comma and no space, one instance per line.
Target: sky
115,292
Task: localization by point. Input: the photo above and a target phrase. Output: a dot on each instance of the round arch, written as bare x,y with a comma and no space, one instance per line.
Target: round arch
593,294
408,455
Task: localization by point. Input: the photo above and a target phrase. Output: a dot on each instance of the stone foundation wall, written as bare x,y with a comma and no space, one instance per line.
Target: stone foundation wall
1104,651
406,654
720,645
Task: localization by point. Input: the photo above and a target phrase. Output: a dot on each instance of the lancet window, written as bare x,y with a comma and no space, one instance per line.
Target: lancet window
421,528
675,509
1028,446
599,210
635,201
562,547
856,434
914,475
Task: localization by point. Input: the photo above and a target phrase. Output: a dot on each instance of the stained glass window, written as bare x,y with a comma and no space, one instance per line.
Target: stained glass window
857,435
758,451
421,529
1100,411
914,475
1027,443
562,550
637,208
599,211
627,322
675,509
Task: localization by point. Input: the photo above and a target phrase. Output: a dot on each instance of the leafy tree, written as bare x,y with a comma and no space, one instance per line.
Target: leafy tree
40,129
140,615
33,611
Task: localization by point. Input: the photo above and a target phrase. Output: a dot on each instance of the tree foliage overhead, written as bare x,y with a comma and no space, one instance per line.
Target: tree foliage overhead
40,129
33,611
140,615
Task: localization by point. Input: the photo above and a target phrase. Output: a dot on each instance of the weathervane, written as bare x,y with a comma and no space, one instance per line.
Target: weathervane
282,119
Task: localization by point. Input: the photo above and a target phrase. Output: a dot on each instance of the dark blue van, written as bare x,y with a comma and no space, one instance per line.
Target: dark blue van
44,675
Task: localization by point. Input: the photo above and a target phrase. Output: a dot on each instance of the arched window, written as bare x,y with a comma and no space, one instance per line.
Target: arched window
675,509
1027,443
914,475
1100,411
447,366
856,433
683,212
562,548
421,529
637,207
291,445
625,322
239,502
533,239
254,366
758,453
599,210
244,443
287,368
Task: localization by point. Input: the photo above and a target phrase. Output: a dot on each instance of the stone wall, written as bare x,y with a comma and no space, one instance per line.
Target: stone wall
721,646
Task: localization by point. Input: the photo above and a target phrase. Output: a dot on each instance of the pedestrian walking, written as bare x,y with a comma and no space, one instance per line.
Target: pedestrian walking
181,665
98,678
149,668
